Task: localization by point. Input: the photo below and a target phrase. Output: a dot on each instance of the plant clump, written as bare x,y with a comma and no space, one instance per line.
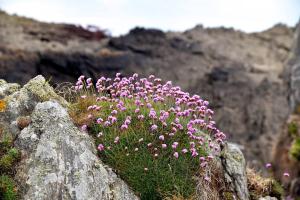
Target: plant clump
9,156
7,188
159,139
292,129
295,149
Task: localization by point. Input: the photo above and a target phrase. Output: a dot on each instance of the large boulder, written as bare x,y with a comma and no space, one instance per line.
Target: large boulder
234,166
61,161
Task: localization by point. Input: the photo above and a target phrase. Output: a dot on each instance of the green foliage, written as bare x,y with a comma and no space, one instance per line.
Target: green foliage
5,143
152,177
295,149
8,157
277,190
292,129
7,188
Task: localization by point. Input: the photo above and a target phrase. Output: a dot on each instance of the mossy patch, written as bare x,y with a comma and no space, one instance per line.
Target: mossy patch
295,149
292,129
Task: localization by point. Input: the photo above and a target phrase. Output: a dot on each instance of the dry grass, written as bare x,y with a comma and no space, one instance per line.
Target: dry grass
257,183
79,112
213,189
259,186
66,91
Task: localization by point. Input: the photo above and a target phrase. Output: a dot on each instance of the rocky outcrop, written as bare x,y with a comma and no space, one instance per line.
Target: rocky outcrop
234,167
239,73
61,162
58,160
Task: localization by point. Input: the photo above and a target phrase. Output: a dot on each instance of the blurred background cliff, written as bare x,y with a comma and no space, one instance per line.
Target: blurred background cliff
244,59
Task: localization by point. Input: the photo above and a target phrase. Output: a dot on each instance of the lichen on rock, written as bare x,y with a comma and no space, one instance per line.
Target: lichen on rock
61,160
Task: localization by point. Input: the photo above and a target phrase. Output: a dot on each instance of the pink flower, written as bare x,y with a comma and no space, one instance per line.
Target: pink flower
206,178
107,123
268,165
161,137
114,112
117,139
286,174
124,127
176,155
149,144
210,157
141,117
153,127
89,80
203,164
164,146
174,145
81,77
149,105
100,147
83,96
202,159
99,120
84,127
194,154
184,150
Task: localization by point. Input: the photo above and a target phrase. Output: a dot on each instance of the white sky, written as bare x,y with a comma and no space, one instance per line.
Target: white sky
119,16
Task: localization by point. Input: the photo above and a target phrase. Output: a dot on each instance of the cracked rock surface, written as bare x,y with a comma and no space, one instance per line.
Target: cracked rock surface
61,161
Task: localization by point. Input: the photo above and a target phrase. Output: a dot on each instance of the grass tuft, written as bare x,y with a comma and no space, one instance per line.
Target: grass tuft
7,188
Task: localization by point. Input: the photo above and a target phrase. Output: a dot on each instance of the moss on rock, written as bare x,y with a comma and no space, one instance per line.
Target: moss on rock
295,149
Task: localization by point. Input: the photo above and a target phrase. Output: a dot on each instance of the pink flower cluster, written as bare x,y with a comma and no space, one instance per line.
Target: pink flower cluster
190,114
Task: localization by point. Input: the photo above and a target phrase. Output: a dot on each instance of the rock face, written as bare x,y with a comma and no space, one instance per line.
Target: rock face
62,162
239,73
293,69
58,160
229,180
283,159
234,167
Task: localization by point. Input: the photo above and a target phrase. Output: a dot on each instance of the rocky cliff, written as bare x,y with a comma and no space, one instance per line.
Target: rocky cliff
239,73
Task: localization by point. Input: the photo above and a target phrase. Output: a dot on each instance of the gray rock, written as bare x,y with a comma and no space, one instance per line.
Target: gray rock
228,178
294,72
234,166
7,88
21,102
61,161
